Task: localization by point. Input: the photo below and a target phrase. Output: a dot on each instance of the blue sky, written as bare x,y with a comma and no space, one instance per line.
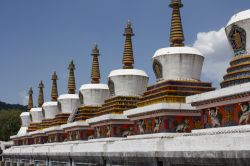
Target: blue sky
38,37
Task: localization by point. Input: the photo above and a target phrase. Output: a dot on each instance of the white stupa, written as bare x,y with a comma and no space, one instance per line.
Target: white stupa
37,113
238,34
25,118
177,62
94,94
128,81
51,108
69,102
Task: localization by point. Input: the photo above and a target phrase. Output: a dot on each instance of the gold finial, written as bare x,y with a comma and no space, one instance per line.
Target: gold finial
95,73
30,102
176,34
71,82
54,92
128,59
40,96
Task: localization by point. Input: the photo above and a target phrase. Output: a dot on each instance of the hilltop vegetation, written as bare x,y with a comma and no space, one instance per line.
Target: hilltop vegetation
5,106
10,121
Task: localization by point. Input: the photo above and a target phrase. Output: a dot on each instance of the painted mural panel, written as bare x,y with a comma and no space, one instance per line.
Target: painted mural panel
229,115
168,124
114,130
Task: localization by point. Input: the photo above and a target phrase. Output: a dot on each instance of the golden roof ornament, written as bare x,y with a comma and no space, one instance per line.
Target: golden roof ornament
176,34
95,73
128,58
54,92
71,81
40,96
30,102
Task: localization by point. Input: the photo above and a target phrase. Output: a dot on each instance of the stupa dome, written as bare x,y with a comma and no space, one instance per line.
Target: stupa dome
134,79
243,15
178,63
94,94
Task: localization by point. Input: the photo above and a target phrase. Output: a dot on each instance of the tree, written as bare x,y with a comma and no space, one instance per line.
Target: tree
10,123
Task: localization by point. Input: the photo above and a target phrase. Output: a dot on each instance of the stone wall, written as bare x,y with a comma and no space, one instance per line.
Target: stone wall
218,146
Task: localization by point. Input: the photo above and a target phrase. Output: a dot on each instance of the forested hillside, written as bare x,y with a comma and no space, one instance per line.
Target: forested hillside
10,121
5,106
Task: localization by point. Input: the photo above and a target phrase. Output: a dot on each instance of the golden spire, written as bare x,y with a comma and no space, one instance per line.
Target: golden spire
40,96
95,73
176,34
54,93
71,82
128,59
30,102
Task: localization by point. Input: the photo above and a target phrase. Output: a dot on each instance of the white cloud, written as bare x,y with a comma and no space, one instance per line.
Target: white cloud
216,49
24,97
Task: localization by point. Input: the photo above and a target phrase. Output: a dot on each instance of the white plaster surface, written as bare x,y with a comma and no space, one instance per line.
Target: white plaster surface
94,94
42,149
94,86
37,132
75,124
165,143
107,117
13,137
51,109
51,129
121,72
222,130
239,16
129,82
177,50
180,63
37,115
69,102
22,131
4,145
61,148
25,118
158,106
229,91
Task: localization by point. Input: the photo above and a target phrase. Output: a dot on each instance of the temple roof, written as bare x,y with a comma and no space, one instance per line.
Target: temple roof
239,16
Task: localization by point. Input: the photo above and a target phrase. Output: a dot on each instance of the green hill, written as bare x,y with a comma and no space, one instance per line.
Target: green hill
10,121
6,106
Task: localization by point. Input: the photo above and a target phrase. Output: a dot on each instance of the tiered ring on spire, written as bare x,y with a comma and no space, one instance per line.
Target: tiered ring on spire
128,59
54,92
71,82
30,102
176,34
40,96
95,74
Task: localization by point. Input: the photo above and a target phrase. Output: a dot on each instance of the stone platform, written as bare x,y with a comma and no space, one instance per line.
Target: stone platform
216,146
